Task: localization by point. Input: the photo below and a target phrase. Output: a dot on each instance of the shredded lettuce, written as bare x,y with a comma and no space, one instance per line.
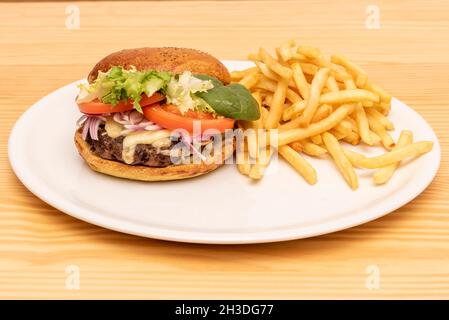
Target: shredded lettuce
186,91
118,84
181,89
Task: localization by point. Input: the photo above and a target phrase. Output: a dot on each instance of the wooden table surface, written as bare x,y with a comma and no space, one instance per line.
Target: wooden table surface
408,249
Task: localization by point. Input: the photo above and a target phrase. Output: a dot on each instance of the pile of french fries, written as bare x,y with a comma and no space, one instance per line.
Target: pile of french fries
317,101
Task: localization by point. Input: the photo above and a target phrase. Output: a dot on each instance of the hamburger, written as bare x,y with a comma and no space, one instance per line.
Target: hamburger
154,114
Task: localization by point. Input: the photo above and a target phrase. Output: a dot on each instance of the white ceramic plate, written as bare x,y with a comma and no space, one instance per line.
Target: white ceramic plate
220,207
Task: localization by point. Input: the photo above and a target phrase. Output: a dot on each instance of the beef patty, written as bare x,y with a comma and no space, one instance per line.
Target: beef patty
145,154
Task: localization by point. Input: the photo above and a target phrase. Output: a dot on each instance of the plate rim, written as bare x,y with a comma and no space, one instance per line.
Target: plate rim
342,223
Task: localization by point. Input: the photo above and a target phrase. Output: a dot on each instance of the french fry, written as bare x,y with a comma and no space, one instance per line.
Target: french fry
265,156
340,76
383,107
363,125
309,68
336,70
342,163
316,139
331,84
253,147
353,124
410,151
254,57
327,57
292,96
357,72
276,108
297,56
250,80
325,89
376,139
258,169
311,148
266,71
378,129
298,163
238,75
344,128
297,146
275,66
263,116
256,172
346,96
294,110
384,96
271,86
243,164
322,112
279,57
355,158
288,136
387,124
352,138
309,52
263,93
270,74
285,50
318,83
268,99
324,61
384,174
338,135
300,81
349,84
310,100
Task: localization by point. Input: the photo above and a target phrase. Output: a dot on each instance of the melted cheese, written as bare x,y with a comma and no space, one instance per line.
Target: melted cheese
113,129
162,143
147,137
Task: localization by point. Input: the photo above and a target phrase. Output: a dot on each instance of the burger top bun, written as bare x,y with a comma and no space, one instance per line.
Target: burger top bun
176,60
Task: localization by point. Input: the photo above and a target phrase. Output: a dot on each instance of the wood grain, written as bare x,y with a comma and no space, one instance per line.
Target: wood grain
408,55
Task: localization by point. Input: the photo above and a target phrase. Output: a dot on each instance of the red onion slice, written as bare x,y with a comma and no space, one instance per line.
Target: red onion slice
92,131
134,121
85,130
152,127
91,126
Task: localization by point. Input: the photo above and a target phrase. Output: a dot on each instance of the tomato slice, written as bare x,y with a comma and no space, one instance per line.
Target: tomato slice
97,107
169,117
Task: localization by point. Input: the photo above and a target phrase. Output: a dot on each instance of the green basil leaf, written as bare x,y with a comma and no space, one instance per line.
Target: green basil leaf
232,101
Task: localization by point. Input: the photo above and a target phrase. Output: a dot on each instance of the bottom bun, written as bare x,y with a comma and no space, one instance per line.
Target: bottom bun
144,173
